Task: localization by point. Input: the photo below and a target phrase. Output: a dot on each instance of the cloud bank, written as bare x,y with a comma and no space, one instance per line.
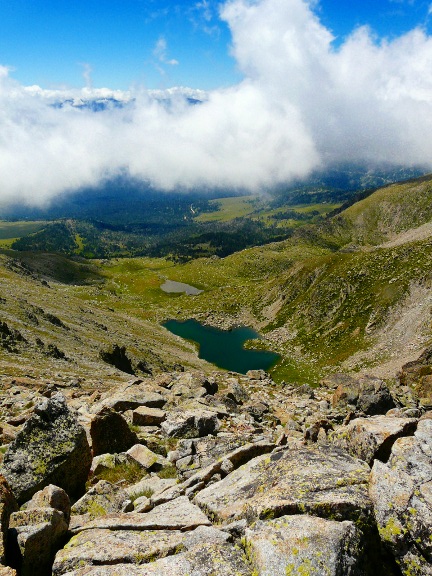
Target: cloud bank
302,104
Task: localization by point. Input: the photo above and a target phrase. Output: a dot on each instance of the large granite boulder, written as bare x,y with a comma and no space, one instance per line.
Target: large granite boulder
401,492
367,394
322,481
51,448
110,433
304,544
8,504
370,438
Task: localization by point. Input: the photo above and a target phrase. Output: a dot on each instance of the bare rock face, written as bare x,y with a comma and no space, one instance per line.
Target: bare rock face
370,438
305,545
110,433
401,492
8,504
51,448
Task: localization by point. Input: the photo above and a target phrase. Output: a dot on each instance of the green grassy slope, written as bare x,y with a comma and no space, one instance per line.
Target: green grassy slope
331,296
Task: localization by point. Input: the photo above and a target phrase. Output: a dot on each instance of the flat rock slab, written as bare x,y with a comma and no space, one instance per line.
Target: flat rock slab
323,481
179,514
204,560
304,545
373,438
104,547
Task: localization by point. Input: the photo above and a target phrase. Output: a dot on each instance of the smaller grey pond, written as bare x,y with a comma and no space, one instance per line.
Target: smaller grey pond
176,287
224,347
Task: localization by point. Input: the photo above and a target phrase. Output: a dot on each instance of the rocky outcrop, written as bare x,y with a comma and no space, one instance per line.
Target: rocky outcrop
51,448
236,475
401,492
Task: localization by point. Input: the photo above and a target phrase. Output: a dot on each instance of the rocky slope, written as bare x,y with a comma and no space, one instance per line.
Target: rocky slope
191,473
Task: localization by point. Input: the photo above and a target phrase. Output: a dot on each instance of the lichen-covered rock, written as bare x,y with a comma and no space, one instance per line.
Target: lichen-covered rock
191,424
52,497
401,492
370,438
322,481
103,498
8,504
367,394
202,560
303,544
110,433
106,547
51,448
35,536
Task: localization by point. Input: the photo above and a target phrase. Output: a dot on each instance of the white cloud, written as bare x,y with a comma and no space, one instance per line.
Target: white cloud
302,103
160,52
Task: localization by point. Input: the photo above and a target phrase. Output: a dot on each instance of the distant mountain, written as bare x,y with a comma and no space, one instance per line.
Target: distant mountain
102,99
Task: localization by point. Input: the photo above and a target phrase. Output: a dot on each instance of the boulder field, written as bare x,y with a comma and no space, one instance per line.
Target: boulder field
187,473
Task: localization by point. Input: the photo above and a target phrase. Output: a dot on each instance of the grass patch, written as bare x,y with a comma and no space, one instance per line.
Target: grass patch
147,492
169,471
228,209
126,473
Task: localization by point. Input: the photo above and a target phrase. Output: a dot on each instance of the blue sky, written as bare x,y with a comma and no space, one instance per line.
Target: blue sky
155,43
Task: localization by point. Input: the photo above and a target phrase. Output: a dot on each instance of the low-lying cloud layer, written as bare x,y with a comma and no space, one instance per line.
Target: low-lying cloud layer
302,104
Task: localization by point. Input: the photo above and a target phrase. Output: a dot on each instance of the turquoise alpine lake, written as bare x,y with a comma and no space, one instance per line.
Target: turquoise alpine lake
224,348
